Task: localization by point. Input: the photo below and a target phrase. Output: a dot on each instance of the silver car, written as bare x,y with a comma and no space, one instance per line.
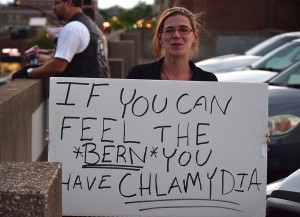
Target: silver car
283,197
268,66
234,61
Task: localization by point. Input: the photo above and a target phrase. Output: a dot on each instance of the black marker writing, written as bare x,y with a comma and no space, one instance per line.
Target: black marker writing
92,92
83,121
65,127
68,92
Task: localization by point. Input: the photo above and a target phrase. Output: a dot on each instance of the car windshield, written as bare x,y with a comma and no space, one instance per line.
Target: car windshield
279,59
268,45
289,78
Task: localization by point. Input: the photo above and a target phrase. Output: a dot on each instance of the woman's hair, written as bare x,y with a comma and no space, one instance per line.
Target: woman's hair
194,21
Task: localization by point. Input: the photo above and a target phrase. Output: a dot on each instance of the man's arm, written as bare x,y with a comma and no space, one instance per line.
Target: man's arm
50,68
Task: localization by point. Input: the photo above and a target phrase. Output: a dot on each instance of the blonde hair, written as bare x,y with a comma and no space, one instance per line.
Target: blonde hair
175,11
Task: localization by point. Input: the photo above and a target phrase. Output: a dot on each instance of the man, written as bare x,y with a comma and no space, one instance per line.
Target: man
90,12
77,49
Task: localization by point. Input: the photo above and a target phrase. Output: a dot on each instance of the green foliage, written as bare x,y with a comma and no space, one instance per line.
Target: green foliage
141,11
104,14
127,18
41,40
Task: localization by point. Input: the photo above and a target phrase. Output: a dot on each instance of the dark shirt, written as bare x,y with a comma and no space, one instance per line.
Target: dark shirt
152,71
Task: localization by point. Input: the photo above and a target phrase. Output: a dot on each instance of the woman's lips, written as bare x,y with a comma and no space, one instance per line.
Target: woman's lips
176,44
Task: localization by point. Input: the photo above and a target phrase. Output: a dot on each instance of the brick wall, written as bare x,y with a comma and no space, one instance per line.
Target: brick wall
245,15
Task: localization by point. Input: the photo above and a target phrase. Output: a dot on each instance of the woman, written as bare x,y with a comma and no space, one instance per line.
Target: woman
176,41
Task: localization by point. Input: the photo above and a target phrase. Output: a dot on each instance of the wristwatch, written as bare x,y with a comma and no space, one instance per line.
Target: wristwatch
29,71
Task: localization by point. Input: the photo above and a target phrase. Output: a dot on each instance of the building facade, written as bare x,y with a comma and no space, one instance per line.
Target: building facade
242,15
18,14
231,26
19,21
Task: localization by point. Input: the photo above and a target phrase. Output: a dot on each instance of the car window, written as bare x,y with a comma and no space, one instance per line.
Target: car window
270,44
280,59
294,79
291,76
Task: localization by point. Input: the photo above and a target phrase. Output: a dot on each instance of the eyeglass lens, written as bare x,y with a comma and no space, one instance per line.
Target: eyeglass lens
183,30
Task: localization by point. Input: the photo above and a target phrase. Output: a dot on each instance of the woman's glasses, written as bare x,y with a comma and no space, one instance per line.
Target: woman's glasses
183,30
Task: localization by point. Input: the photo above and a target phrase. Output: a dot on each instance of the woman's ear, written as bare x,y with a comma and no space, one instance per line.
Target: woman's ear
196,34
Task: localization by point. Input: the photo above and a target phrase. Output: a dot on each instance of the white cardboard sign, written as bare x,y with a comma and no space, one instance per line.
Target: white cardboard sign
159,148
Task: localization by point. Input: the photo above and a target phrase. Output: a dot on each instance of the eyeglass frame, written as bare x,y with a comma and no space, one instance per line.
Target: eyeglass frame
176,29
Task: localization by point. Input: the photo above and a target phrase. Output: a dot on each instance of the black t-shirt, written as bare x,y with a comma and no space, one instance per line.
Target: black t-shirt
152,71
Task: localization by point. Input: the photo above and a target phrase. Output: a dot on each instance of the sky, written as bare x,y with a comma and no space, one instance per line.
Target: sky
103,4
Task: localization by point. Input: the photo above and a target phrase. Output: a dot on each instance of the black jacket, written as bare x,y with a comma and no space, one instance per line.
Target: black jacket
152,71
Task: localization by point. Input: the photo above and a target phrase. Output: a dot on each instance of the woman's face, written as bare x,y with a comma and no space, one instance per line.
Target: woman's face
177,44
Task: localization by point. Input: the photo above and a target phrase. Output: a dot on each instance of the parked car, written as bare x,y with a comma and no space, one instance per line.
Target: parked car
284,123
232,61
284,118
283,197
256,76
280,58
276,61
226,63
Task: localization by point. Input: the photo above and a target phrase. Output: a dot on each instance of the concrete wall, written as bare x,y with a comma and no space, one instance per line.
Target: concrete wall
146,45
255,15
135,37
123,49
23,120
132,46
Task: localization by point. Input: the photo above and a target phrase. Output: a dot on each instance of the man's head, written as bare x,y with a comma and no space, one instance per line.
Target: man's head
65,9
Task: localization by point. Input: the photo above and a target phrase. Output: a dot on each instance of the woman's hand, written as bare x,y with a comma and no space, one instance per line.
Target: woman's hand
47,137
268,139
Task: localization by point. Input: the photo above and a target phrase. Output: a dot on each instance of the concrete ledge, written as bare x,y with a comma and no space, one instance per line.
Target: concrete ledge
18,101
30,189
135,37
115,35
123,49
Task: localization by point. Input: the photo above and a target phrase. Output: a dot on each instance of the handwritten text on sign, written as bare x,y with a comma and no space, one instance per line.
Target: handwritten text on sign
159,148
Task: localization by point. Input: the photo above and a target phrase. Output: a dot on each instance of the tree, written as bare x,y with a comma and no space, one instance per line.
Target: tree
140,11
41,40
128,17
